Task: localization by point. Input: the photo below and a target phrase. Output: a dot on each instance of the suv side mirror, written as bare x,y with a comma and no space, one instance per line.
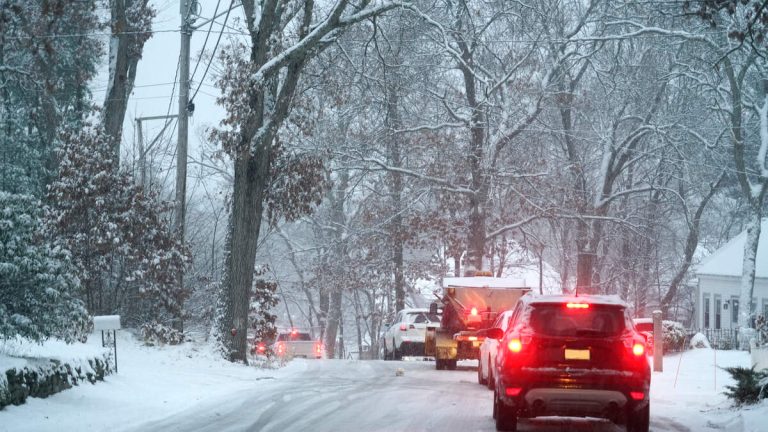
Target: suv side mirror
433,308
491,333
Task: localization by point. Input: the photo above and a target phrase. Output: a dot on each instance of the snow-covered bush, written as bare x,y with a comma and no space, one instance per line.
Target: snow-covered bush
155,333
37,281
750,384
674,336
699,341
761,326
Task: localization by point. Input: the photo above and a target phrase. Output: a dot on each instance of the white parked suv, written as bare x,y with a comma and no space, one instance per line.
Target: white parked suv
405,336
487,357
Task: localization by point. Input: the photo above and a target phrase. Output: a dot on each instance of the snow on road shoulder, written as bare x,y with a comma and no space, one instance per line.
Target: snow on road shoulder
688,395
152,383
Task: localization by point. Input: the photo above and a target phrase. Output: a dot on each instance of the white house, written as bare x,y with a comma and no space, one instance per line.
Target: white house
719,280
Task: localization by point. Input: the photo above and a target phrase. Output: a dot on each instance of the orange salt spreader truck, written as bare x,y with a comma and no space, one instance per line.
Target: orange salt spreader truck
468,304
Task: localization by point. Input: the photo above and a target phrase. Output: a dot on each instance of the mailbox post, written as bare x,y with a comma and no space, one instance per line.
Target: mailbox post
107,323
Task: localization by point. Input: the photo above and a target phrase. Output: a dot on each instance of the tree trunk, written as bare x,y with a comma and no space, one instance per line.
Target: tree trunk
748,270
334,318
249,186
394,122
125,49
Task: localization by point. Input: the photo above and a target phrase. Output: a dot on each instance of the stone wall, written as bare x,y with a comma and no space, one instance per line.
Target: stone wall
42,378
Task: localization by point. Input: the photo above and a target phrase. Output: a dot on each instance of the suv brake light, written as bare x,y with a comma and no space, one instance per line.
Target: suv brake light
638,349
577,305
473,311
515,345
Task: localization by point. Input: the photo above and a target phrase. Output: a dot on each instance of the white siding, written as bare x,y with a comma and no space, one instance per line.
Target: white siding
726,288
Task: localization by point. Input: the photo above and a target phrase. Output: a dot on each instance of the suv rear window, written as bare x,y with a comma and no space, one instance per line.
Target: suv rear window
557,320
422,317
294,337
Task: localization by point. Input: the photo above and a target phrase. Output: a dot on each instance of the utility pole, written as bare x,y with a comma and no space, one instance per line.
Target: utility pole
186,9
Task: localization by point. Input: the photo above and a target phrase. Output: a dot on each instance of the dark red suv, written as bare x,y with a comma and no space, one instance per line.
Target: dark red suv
571,356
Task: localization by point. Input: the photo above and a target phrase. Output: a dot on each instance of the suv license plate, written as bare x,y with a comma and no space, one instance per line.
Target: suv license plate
575,354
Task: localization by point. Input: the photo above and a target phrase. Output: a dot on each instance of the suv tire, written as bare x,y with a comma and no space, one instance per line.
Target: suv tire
506,418
639,421
490,383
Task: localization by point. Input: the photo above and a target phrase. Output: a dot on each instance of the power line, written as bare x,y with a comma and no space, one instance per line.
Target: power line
205,42
213,53
73,35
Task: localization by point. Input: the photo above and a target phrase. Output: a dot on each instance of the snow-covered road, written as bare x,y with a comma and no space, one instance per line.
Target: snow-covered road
359,396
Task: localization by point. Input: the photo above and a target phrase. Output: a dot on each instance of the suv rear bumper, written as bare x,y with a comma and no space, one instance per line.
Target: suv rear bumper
412,349
578,393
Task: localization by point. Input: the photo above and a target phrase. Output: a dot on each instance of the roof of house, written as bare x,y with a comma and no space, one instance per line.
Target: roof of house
727,260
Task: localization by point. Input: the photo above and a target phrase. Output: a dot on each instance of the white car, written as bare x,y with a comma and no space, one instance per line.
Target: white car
487,357
405,336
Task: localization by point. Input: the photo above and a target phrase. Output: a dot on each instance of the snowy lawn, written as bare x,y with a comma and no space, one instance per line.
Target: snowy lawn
688,395
161,386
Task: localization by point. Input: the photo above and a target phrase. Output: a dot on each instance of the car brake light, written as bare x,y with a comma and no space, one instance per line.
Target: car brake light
638,349
318,348
515,345
472,338
280,348
637,395
261,348
294,332
577,305
403,327
473,311
513,391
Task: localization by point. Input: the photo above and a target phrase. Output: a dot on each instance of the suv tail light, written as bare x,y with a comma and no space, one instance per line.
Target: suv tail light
519,343
473,311
638,349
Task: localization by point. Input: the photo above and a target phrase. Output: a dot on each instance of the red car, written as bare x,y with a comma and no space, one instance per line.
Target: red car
571,356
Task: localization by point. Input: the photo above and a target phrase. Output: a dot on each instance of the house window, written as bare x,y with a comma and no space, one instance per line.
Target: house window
706,311
718,311
734,309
